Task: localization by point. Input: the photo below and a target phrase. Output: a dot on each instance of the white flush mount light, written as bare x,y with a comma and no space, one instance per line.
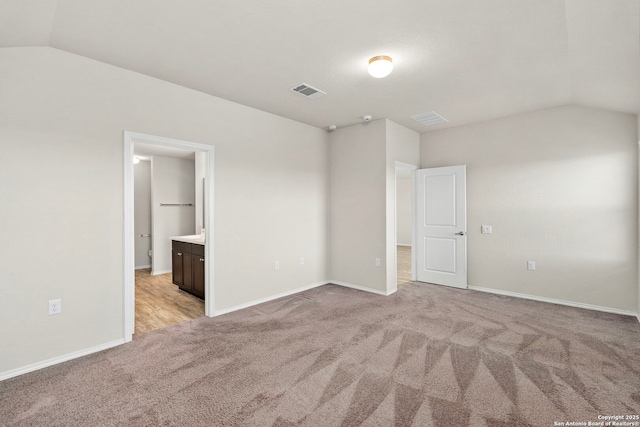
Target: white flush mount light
136,160
380,66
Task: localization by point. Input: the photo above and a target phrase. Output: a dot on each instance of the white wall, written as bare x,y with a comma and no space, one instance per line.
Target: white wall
357,205
142,213
403,211
402,145
362,213
201,166
63,115
172,181
560,187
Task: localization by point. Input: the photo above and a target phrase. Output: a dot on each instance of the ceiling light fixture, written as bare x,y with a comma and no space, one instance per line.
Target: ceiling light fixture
380,66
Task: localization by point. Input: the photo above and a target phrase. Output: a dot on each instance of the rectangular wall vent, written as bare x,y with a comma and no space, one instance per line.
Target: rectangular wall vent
308,91
429,119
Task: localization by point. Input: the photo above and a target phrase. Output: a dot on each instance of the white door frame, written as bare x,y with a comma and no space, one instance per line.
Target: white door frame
129,138
413,168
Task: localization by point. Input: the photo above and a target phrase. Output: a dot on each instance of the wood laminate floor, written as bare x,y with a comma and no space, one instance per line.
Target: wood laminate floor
404,265
159,303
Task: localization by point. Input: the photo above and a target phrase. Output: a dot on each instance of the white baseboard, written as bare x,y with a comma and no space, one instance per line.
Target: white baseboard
360,288
403,244
142,267
298,290
155,273
267,299
54,361
556,301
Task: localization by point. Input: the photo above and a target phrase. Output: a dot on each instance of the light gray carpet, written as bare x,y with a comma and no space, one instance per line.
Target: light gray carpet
332,356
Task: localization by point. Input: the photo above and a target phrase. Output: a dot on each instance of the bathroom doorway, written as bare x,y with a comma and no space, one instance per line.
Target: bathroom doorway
165,195
180,172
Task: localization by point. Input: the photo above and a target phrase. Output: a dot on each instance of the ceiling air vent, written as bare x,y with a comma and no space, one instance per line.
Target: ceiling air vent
308,91
429,119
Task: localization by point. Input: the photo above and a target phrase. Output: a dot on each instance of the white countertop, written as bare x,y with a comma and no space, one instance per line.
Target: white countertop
198,239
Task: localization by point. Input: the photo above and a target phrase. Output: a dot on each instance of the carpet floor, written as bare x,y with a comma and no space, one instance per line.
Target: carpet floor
331,356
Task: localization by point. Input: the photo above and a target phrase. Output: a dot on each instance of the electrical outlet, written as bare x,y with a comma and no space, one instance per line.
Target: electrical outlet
377,262
276,266
55,306
301,260
531,265
150,253
486,229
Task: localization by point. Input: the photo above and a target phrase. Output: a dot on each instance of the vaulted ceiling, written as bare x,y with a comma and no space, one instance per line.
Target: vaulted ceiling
468,60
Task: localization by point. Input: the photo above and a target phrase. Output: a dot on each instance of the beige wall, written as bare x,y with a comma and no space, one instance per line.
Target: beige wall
362,217
142,213
172,181
62,118
402,145
201,166
559,187
404,216
357,205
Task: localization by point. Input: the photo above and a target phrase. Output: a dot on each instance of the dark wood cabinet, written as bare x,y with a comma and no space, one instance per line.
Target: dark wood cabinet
176,264
188,267
198,275
187,273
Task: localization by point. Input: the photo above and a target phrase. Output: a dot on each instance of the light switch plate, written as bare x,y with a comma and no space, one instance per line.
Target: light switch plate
531,265
486,229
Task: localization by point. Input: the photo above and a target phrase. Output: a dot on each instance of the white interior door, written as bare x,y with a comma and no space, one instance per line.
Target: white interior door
441,226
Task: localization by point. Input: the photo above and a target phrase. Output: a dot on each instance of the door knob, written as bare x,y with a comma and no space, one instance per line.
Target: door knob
462,233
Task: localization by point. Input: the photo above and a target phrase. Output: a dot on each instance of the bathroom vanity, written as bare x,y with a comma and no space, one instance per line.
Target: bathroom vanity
187,261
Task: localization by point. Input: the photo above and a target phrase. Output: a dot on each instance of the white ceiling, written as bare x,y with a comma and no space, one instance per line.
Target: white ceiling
468,60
